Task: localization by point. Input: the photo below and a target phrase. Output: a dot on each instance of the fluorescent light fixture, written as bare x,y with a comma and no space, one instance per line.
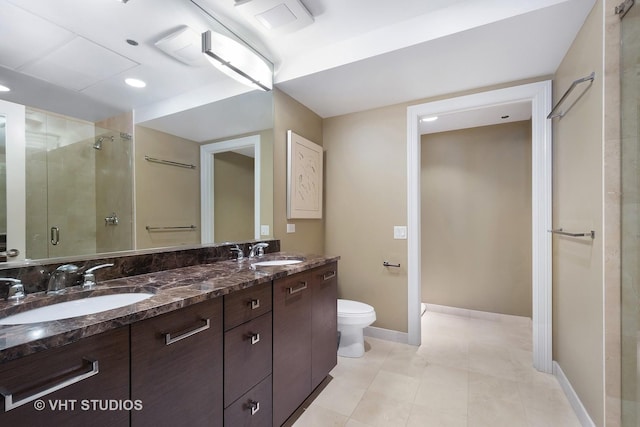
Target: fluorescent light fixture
429,119
135,83
236,60
4,88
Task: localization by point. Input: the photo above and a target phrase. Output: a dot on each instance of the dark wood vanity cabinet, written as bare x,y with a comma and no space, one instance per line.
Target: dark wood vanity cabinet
304,336
176,367
78,384
248,357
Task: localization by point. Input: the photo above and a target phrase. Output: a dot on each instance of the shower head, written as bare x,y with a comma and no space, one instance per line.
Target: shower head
98,144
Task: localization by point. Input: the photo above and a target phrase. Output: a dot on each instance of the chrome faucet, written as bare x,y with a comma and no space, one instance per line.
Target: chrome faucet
16,291
90,278
61,278
257,249
237,249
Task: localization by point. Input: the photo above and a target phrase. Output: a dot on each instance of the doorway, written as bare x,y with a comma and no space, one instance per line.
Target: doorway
539,96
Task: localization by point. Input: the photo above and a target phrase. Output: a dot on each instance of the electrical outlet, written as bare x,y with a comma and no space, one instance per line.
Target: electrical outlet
291,228
264,230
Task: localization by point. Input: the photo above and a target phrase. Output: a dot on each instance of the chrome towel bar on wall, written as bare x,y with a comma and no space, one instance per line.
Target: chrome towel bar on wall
169,162
178,228
553,114
560,231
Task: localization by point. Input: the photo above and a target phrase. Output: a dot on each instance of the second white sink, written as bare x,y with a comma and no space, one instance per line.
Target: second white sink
75,308
276,262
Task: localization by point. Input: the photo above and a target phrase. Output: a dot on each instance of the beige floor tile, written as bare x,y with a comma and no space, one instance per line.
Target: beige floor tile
379,410
397,386
317,416
340,396
467,372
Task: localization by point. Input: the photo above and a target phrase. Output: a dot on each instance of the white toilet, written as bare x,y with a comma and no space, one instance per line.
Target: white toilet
353,317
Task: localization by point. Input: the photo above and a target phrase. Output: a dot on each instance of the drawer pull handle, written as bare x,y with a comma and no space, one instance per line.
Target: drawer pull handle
301,287
255,338
255,303
329,275
9,404
255,406
168,340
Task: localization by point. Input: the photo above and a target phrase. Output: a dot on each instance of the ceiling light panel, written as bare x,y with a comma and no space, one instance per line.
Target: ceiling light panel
78,65
275,16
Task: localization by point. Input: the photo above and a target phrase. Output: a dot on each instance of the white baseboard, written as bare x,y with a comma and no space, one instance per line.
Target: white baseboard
476,314
572,396
386,334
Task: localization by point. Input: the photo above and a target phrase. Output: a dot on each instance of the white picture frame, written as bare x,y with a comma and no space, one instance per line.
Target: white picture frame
304,178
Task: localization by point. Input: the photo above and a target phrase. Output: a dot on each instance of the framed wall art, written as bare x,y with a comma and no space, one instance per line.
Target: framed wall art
304,178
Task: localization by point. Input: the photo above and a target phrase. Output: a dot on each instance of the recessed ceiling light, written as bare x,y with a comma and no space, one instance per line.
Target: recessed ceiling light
4,88
135,82
430,119
132,42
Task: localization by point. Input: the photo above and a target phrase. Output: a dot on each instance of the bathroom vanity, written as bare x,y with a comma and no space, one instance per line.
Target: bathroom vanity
220,344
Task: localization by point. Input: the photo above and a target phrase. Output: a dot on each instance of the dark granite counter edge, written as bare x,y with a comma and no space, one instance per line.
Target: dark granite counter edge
22,340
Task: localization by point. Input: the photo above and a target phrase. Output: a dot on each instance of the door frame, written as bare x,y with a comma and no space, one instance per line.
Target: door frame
540,96
15,146
207,152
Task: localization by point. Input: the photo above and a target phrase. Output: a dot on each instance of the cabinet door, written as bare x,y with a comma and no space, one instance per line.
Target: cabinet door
247,356
291,344
96,370
176,367
242,306
324,322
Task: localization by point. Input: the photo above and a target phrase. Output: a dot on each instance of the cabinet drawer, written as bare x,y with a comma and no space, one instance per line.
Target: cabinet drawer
242,306
96,367
247,356
253,409
176,367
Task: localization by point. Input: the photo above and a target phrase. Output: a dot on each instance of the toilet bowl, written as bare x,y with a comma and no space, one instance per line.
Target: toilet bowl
353,317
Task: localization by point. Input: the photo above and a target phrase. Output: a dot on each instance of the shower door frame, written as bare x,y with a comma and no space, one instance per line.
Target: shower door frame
540,96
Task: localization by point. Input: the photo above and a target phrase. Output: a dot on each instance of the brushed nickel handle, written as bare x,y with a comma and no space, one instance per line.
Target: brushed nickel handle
254,303
329,275
168,340
10,253
9,404
255,338
294,289
255,406
55,235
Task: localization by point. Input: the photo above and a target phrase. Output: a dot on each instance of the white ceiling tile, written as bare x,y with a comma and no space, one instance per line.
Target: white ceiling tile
25,37
78,65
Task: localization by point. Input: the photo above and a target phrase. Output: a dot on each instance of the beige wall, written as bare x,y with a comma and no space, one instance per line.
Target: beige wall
290,114
166,196
476,218
578,204
365,187
233,197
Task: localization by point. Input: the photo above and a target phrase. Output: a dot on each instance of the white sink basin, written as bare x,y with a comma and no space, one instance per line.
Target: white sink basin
277,262
75,308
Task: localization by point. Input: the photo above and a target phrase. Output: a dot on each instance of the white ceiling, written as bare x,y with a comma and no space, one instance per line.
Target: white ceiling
356,55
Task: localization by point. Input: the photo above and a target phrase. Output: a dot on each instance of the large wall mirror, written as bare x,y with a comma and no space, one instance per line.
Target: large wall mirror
89,164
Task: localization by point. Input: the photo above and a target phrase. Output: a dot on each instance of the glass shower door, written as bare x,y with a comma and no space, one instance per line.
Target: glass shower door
630,251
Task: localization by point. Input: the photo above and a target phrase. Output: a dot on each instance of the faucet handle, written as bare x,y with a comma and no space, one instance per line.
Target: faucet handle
16,291
90,278
237,249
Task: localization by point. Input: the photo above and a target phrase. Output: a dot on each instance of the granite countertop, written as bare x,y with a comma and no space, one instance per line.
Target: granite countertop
172,289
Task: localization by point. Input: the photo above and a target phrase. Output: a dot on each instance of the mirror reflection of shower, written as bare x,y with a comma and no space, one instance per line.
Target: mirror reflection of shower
98,143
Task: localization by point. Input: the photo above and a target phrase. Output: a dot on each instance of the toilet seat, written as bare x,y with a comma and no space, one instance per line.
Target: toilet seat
348,308
355,313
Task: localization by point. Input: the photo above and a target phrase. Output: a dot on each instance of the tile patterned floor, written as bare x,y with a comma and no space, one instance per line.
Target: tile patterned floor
468,372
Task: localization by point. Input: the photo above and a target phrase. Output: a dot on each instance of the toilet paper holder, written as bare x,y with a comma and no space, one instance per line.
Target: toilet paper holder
388,264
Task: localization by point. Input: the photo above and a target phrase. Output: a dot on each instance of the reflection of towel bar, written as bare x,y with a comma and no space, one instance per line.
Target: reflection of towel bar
187,228
169,162
591,233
